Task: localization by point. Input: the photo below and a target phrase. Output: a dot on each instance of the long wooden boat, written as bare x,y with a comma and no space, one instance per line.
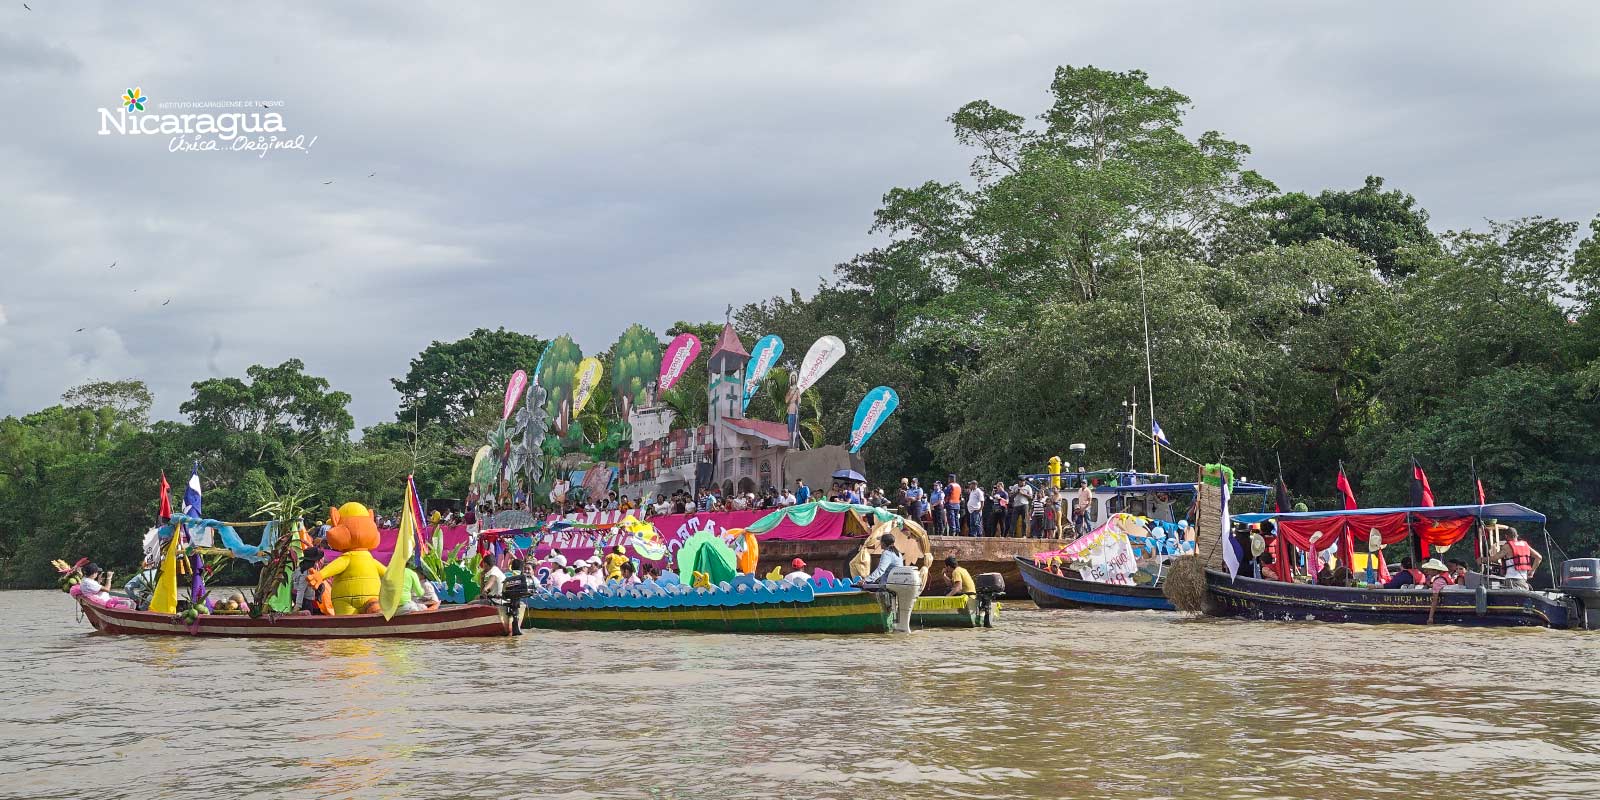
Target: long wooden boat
1050,590
837,612
448,622
1252,598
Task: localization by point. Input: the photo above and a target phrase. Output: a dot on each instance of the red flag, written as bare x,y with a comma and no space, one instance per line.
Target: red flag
1421,492
166,501
1343,485
1477,486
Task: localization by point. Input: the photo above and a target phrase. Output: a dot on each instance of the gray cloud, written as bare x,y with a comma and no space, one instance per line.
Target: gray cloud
577,168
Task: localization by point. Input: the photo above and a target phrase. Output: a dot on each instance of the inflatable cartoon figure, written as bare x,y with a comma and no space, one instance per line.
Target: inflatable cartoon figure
356,575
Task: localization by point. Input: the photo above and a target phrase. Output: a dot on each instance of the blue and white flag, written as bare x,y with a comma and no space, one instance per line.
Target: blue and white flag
1155,433
1230,546
874,409
191,507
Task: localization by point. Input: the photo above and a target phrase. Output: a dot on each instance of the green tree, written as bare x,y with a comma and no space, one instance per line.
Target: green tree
446,380
130,399
1378,223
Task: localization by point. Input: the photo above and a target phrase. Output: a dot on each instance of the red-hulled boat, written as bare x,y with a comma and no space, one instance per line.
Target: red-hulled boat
448,622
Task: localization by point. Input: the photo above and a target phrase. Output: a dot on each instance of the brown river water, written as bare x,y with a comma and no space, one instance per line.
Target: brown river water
1058,704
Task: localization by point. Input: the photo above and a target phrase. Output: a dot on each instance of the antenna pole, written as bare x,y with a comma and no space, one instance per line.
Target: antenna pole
1149,373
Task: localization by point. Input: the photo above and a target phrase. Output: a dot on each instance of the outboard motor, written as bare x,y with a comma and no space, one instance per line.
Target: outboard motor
903,583
991,587
1580,579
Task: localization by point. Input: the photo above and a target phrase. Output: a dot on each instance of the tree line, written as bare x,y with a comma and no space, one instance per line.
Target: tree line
1008,310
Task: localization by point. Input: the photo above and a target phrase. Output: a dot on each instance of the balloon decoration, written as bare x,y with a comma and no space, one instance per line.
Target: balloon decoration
762,357
356,575
824,353
680,354
583,384
870,415
514,387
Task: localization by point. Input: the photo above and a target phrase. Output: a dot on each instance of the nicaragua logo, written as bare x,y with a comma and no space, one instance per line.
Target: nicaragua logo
134,99
216,125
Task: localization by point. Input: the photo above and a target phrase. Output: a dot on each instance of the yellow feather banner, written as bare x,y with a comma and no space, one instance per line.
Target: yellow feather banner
392,588
165,599
583,383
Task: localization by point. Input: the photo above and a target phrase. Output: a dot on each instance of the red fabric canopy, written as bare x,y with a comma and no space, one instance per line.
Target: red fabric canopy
1349,530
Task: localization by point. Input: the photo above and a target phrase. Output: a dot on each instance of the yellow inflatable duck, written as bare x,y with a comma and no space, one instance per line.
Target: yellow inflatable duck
356,575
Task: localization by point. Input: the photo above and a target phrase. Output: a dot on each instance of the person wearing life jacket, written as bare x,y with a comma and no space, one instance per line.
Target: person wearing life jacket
313,594
1407,575
1519,559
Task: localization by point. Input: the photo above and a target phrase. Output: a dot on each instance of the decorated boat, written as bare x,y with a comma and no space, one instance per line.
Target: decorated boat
1232,591
1121,564
1053,590
447,622
744,605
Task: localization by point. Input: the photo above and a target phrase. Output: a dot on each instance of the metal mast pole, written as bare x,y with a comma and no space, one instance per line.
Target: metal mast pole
1149,373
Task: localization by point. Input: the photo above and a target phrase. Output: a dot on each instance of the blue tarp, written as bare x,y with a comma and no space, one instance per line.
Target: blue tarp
1505,512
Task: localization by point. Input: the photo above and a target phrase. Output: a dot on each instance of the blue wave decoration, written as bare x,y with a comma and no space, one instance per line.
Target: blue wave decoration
745,591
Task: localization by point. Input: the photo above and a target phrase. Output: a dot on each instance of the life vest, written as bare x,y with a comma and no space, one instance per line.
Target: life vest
321,592
1417,577
1521,556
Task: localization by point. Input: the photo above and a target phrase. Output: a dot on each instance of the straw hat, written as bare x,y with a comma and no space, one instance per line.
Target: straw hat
1434,564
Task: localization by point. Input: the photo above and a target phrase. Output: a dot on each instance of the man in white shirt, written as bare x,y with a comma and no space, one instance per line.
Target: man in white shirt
798,576
974,509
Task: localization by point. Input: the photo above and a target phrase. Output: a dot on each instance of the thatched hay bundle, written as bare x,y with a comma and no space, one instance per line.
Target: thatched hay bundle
1185,584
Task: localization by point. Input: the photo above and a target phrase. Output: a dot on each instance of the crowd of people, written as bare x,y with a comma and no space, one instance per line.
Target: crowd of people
1022,508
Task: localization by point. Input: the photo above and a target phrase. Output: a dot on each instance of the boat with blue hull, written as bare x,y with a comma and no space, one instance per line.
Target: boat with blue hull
1050,590
1436,527
1252,598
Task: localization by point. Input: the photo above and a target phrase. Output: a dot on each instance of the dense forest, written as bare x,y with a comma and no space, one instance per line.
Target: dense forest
1008,311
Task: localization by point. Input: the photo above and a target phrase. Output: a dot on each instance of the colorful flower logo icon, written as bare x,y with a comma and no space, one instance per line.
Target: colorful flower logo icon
134,99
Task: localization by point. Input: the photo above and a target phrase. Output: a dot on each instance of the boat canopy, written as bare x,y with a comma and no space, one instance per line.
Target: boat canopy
1182,488
1508,512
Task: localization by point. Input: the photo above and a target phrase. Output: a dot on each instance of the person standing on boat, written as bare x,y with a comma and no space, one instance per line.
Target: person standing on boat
1081,517
802,492
1519,559
974,509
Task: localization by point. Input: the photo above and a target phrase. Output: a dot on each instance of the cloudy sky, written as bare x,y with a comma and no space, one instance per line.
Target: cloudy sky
575,168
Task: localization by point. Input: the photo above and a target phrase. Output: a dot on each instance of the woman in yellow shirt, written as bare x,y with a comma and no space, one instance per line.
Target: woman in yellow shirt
614,561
